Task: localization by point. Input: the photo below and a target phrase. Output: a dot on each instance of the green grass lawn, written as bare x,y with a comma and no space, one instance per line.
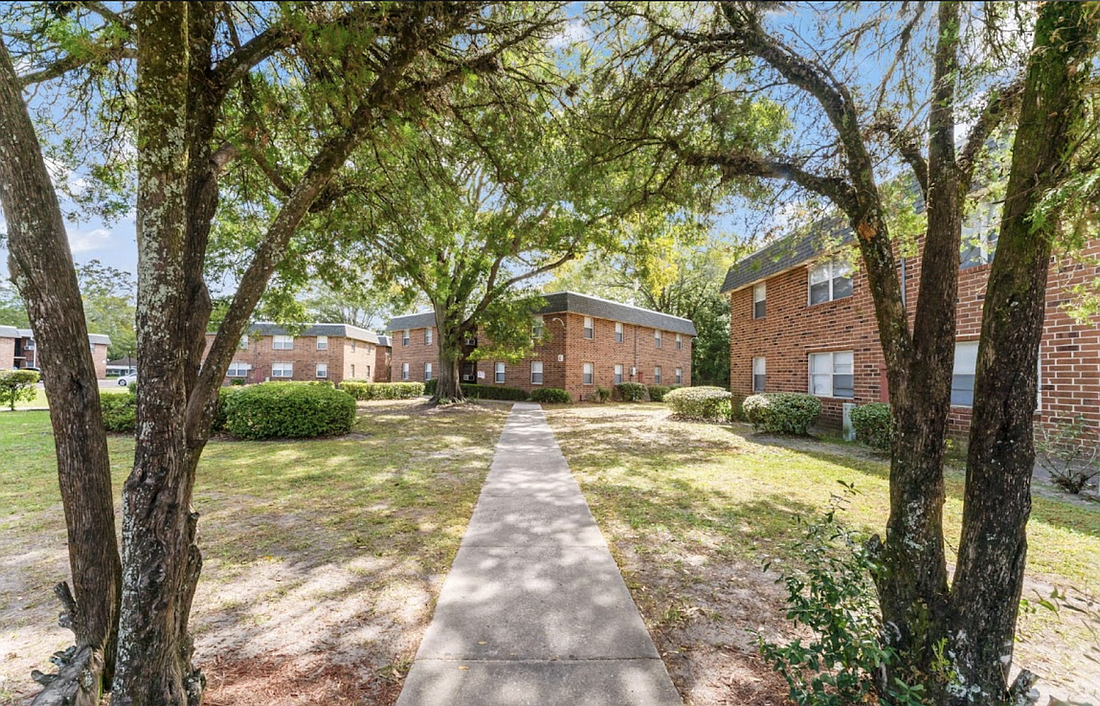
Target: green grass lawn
328,546
683,499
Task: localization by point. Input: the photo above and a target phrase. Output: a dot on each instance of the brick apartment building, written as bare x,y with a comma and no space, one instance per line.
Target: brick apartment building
800,321
334,352
588,343
17,350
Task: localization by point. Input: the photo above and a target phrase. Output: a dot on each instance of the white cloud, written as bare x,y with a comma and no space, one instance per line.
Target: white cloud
575,31
86,240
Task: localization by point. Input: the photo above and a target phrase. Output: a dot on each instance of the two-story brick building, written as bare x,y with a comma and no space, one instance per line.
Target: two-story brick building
803,321
334,352
17,349
585,342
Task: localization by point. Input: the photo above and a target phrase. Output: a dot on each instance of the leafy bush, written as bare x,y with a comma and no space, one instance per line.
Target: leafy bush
872,424
119,410
288,410
631,391
705,403
1067,452
17,386
832,595
429,387
657,392
384,390
553,395
492,392
782,412
603,394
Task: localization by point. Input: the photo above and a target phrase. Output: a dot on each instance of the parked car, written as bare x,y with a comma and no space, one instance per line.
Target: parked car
125,380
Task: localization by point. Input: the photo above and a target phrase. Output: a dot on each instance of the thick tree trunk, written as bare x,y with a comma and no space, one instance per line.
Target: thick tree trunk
42,267
448,388
1001,456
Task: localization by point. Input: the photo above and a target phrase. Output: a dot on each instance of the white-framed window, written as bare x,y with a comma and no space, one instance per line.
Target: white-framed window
427,372
353,371
679,342
962,375
618,374
979,236
657,337
242,344
829,280
679,376
618,332
238,370
282,370
759,373
657,375
586,373
589,328
322,343
536,372
322,370
405,338
759,300
282,343
498,372
831,374
537,325
353,345
428,333
404,371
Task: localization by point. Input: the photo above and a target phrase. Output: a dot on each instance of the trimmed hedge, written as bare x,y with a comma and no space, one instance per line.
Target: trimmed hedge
119,410
552,395
705,403
288,410
872,424
383,390
657,392
603,394
631,391
782,412
17,386
492,392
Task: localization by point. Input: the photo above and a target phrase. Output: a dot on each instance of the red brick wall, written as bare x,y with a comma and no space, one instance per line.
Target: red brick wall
565,339
99,357
791,330
416,354
380,368
343,362
7,353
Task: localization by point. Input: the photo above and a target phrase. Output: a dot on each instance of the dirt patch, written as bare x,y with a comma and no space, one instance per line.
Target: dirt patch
293,681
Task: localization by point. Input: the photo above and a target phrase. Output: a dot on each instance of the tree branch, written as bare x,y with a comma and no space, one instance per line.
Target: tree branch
1001,103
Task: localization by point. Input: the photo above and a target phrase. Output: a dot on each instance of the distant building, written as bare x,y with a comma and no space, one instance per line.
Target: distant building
18,350
589,342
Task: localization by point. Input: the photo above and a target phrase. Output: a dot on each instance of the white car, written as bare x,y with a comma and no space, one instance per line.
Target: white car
125,380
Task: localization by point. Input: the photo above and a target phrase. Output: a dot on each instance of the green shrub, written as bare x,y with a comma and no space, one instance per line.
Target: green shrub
119,411
429,387
782,412
552,395
384,390
288,410
219,415
492,392
17,386
872,424
631,391
657,392
705,403
603,394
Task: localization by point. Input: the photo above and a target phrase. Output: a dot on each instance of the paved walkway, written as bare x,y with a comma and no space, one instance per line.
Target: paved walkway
534,610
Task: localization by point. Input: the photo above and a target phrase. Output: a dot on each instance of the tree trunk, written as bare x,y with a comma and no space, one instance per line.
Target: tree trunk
448,388
42,267
1001,456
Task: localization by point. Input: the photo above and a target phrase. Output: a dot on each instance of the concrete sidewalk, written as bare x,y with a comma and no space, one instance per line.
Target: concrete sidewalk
534,610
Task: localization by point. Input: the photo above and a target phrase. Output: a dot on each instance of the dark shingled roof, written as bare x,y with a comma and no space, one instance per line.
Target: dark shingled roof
577,304
9,332
383,340
782,255
264,328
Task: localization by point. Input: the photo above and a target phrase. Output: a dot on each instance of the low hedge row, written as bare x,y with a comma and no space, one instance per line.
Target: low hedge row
287,410
782,412
872,424
553,395
631,391
382,390
657,392
483,392
706,403
119,410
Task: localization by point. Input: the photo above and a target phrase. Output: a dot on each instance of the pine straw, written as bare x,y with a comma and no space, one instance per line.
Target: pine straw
274,680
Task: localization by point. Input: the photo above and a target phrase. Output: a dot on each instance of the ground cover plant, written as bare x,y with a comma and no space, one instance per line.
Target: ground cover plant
323,557
692,510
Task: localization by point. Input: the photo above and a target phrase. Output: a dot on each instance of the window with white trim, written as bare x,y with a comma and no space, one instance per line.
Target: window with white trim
282,343
427,372
589,328
405,338
830,280
537,327
322,370
759,374
979,236
498,372
962,375
759,300
353,345
679,342
353,371
238,370
586,373
322,343
618,374
536,372
404,371
282,370
679,376
428,333
657,375
831,374
657,337
618,332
